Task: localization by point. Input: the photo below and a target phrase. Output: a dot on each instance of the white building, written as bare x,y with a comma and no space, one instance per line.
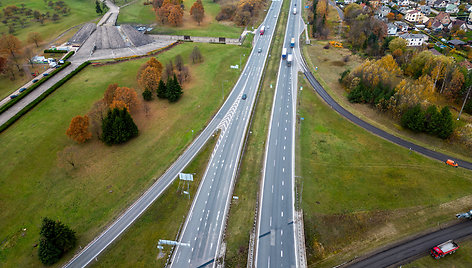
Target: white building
392,29
414,16
413,40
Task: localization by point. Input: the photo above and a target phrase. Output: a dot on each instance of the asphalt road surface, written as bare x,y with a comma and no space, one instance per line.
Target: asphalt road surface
206,220
214,194
415,247
276,243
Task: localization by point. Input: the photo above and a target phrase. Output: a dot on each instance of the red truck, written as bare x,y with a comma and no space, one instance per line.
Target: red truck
443,249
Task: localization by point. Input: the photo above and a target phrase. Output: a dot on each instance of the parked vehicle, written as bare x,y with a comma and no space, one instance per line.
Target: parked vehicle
284,53
22,89
289,60
292,42
262,30
451,163
443,249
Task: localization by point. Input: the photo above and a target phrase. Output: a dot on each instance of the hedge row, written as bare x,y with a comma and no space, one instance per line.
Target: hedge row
55,51
68,55
31,88
43,96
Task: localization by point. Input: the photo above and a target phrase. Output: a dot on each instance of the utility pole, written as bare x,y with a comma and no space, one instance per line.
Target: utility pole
463,104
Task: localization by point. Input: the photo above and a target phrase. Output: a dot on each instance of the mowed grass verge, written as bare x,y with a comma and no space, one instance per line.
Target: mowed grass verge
162,220
241,214
360,191
37,182
138,13
462,258
331,64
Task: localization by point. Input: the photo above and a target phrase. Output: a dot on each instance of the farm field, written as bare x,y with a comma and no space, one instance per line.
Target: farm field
360,191
37,181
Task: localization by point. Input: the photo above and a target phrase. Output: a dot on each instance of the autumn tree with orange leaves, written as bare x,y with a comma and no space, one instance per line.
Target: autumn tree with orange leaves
79,129
197,11
170,12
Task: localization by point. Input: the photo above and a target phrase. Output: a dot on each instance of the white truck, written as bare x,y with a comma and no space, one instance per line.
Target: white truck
284,53
289,60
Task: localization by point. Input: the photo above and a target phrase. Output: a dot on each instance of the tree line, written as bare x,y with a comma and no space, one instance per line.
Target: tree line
172,11
242,13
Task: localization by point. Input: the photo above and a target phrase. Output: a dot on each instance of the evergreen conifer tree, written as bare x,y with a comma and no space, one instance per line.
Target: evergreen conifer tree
162,90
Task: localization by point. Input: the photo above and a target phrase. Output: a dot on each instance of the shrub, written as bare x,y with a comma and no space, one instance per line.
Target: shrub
413,118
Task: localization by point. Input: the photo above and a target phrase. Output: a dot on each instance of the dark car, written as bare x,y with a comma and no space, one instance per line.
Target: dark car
244,97
35,80
22,89
13,96
45,74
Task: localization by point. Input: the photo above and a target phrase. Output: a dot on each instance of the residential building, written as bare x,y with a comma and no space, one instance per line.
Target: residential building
456,42
404,3
444,18
414,16
383,11
458,24
402,26
392,29
466,64
440,4
470,17
452,9
413,40
426,10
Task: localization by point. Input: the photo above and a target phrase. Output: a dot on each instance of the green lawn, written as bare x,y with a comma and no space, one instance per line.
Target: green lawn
162,220
241,213
36,183
360,188
81,11
461,259
138,13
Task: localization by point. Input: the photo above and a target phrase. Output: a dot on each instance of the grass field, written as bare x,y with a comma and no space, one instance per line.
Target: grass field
461,259
360,191
162,220
36,183
81,11
241,214
330,66
140,14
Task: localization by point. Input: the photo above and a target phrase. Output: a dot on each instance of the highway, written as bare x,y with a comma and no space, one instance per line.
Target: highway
276,243
412,248
214,193
205,222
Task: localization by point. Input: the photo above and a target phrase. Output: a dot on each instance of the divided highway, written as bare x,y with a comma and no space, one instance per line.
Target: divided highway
205,223
276,243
